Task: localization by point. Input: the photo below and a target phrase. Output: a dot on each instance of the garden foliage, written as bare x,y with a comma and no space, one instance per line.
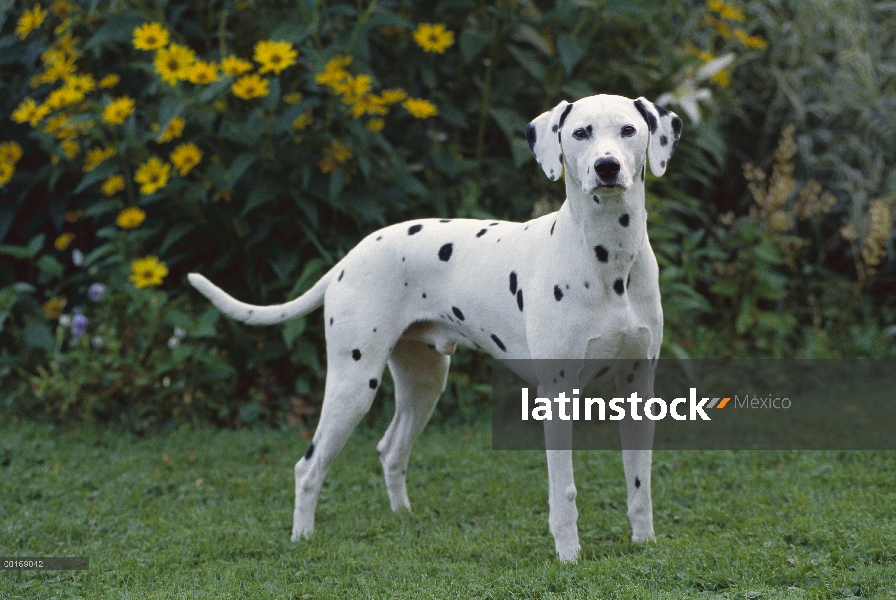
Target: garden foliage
257,141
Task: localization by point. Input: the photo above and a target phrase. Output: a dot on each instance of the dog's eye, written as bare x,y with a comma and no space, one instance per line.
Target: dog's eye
580,134
628,131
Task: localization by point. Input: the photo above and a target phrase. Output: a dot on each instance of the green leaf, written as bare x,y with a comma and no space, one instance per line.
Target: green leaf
118,27
238,167
37,334
292,330
264,191
527,33
571,51
528,61
283,124
212,90
36,243
178,231
170,108
472,41
291,31
726,287
49,266
20,252
513,126
205,324
102,171
312,271
102,207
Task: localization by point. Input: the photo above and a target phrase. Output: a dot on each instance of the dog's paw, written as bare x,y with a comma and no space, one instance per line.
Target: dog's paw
299,533
568,553
646,536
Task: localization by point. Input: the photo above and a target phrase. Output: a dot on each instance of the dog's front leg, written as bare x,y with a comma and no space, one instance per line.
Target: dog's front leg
561,487
636,437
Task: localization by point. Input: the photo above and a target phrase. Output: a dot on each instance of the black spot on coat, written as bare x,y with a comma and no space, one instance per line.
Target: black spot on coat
618,286
623,220
602,372
481,232
309,452
565,112
558,293
519,299
414,229
373,383
513,282
531,137
601,253
340,276
637,482
499,343
445,252
648,116
552,227
663,140
356,354
457,313
596,199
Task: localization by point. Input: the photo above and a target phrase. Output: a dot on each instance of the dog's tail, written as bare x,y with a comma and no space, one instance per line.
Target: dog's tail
262,315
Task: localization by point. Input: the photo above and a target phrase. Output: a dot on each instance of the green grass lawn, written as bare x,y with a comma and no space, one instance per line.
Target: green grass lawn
208,514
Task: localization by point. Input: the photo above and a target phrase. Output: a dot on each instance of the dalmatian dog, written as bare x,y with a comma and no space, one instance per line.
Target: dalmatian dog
578,283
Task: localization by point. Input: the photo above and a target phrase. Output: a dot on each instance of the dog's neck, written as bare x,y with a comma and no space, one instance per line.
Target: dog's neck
589,223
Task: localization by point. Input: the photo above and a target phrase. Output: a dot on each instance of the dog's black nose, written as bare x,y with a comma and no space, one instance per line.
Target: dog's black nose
607,169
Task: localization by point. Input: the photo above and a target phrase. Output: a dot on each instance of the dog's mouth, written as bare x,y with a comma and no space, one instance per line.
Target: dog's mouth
607,188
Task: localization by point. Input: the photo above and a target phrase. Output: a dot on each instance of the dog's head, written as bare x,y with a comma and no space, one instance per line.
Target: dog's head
603,142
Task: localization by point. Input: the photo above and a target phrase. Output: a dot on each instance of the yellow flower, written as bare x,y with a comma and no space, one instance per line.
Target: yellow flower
368,104
719,26
7,170
433,37
10,152
64,241
30,20
130,218
152,175
302,121
726,11
147,272
72,216
354,87
420,108
185,157
53,307
110,81
392,96
334,156
112,185
174,129
722,78
118,110
173,63
752,42
234,66
274,56
293,98
95,156
376,125
203,72
29,112
70,147
250,86
150,36
334,72
63,97
80,83
61,9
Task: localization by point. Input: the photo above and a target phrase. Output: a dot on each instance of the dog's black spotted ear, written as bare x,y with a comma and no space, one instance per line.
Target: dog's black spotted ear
665,131
543,135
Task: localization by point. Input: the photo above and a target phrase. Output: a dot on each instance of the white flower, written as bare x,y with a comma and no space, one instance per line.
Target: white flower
173,342
65,320
77,257
179,333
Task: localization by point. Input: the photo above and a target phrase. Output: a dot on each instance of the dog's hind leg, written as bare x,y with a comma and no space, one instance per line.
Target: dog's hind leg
420,374
351,386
